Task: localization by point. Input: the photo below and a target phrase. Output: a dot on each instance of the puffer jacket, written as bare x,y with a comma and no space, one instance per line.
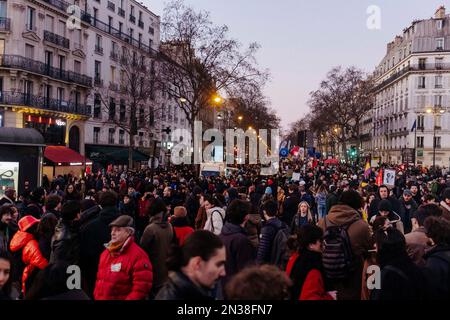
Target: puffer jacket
31,255
268,233
125,275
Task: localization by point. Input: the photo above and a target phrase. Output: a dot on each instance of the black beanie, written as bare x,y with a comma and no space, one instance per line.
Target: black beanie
385,205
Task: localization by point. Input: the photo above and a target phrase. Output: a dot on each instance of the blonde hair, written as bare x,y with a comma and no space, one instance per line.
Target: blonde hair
309,213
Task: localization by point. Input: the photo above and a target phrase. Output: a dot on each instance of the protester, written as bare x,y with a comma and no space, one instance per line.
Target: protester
401,279
156,241
5,278
124,271
9,197
385,209
215,215
303,216
196,268
264,282
8,226
180,224
25,240
290,205
408,208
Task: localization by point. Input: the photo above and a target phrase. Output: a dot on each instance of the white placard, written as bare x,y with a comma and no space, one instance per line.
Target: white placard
389,178
296,176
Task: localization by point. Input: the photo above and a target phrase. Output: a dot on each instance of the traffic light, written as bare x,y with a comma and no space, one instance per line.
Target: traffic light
353,152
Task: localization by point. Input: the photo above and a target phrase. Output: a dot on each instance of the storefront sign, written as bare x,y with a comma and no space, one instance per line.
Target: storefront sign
9,176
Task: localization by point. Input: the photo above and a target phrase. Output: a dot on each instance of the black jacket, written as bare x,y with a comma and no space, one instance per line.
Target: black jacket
438,271
180,287
396,206
66,243
268,233
407,210
93,236
401,279
290,207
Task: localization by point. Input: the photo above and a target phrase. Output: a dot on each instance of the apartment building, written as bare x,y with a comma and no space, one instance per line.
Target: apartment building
412,92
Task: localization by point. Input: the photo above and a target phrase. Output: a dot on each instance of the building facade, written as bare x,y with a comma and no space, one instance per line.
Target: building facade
411,111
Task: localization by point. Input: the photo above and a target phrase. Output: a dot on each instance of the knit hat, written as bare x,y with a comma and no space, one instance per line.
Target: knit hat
407,192
268,190
385,205
27,222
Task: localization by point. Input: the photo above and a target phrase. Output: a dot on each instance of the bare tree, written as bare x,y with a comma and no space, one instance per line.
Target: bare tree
341,102
137,97
199,60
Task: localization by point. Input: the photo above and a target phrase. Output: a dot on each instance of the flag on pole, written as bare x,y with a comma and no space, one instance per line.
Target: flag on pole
414,126
367,169
379,180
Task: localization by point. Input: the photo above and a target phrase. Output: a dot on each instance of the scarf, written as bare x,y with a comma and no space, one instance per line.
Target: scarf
116,248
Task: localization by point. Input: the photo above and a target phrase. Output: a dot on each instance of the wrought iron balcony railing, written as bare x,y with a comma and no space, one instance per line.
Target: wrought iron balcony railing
56,39
26,64
40,102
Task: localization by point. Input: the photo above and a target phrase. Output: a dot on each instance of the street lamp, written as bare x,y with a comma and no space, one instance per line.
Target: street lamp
435,111
240,118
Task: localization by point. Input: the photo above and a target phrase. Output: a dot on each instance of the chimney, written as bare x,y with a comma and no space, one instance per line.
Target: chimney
440,13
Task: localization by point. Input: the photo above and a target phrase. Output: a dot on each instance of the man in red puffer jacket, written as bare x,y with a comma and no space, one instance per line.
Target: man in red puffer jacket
124,271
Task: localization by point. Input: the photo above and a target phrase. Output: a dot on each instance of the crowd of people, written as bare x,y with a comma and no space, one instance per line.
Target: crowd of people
175,235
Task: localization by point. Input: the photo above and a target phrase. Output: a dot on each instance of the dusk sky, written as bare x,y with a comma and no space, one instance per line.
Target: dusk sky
302,40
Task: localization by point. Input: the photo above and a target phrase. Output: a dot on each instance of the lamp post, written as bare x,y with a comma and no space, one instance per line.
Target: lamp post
435,111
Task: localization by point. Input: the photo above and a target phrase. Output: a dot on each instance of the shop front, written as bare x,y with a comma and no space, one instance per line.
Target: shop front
60,160
21,157
103,156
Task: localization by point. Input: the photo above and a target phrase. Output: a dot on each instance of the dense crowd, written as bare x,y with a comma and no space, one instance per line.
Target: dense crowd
172,235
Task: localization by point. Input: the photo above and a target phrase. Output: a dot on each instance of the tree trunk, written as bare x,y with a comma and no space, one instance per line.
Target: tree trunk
344,145
130,152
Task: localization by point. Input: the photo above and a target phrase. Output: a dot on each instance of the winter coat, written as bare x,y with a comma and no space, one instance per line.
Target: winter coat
7,232
31,255
4,199
401,279
438,272
407,211
192,205
124,275
290,207
445,210
239,250
182,229
299,221
156,241
93,236
180,287
66,243
215,220
307,277
373,209
359,235
417,243
268,233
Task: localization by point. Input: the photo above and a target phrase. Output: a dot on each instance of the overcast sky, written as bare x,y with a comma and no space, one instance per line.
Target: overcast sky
302,40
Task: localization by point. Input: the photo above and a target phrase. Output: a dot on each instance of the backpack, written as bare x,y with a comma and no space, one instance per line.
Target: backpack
337,256
278,255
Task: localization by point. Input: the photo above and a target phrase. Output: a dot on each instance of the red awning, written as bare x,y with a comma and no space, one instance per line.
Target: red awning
61,154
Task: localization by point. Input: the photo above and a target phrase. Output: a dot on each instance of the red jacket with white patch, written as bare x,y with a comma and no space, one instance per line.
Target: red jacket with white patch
125,275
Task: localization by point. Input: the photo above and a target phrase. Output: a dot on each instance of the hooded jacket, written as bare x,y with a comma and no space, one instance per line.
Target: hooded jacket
394,219
268,233
239,250
31,255
125,275
360,240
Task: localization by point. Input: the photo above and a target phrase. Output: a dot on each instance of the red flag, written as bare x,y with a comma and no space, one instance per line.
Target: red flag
379,180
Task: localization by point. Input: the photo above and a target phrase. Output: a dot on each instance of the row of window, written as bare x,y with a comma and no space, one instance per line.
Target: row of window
420,142
112,136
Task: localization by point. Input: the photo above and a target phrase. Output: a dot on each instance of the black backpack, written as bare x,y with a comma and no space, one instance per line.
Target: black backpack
337,256
278,255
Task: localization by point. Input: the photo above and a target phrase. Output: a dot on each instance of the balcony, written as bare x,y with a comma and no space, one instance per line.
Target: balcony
5,24
40,102
114,55
121,12
98,49
25,64
111,6
132,19
98,82
56,39
141,24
